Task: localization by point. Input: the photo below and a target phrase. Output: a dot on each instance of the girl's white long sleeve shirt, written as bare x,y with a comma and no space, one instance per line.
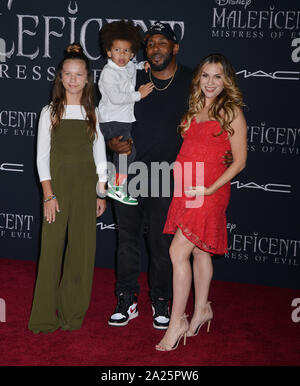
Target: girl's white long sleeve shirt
44,142
118,95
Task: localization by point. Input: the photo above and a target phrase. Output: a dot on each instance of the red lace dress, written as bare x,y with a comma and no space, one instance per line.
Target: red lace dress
202,219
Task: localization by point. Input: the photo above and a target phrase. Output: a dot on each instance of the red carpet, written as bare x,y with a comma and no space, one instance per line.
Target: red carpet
252,326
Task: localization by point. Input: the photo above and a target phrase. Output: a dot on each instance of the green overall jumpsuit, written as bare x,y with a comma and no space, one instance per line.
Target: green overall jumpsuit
62,296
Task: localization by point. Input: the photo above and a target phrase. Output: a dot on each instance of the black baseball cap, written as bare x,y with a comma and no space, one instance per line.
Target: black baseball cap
161,29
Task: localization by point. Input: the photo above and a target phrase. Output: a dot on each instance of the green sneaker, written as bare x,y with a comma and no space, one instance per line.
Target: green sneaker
118,193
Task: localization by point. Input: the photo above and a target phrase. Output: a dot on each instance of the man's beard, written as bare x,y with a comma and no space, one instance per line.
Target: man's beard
163,65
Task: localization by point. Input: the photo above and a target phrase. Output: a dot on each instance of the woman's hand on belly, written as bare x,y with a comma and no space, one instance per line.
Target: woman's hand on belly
199,191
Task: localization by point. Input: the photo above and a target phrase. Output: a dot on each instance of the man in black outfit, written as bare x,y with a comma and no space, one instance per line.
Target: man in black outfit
156,139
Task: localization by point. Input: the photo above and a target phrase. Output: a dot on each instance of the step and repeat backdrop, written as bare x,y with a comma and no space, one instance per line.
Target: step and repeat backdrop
260,37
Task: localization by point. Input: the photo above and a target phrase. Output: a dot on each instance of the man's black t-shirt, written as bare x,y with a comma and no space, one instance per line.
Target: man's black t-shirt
155,132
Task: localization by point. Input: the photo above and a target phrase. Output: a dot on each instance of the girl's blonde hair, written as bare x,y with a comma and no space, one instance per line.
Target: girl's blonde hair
223,108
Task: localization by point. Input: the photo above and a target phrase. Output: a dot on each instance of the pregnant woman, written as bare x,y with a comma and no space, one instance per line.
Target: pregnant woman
213,124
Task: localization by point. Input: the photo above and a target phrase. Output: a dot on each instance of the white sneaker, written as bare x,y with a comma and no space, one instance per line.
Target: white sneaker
126,310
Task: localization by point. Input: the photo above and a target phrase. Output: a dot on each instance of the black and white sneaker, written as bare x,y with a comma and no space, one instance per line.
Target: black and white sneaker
161,314
126,310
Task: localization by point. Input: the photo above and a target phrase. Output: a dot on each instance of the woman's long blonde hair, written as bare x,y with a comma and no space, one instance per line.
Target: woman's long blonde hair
223,108
57,107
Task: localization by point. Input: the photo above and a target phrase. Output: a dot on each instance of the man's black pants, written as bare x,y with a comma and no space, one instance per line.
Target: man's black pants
150,213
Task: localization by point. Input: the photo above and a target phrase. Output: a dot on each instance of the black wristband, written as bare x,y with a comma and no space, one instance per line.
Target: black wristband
102,196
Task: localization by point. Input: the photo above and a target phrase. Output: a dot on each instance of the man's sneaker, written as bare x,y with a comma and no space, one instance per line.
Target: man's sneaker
118,193
161,315
126,310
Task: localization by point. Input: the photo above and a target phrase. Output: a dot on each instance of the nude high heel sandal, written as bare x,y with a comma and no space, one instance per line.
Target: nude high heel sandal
167,347
207,319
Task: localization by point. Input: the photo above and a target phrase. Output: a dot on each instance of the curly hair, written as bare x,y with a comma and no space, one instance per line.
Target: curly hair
57,108
120,30
223,108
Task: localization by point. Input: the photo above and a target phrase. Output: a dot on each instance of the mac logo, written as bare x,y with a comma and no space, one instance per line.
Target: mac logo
7,167
270,187
277,75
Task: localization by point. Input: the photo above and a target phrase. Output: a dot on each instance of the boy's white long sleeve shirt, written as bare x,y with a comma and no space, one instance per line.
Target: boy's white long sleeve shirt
118,95
44,142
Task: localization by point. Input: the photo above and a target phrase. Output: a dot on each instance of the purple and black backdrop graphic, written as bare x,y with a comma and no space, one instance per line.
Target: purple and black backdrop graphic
260,37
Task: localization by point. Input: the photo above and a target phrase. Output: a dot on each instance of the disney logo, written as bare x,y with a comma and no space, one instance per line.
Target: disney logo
231,227
244,3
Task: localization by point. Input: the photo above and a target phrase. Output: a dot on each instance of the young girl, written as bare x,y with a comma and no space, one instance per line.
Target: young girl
121,41
70,151
213,124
